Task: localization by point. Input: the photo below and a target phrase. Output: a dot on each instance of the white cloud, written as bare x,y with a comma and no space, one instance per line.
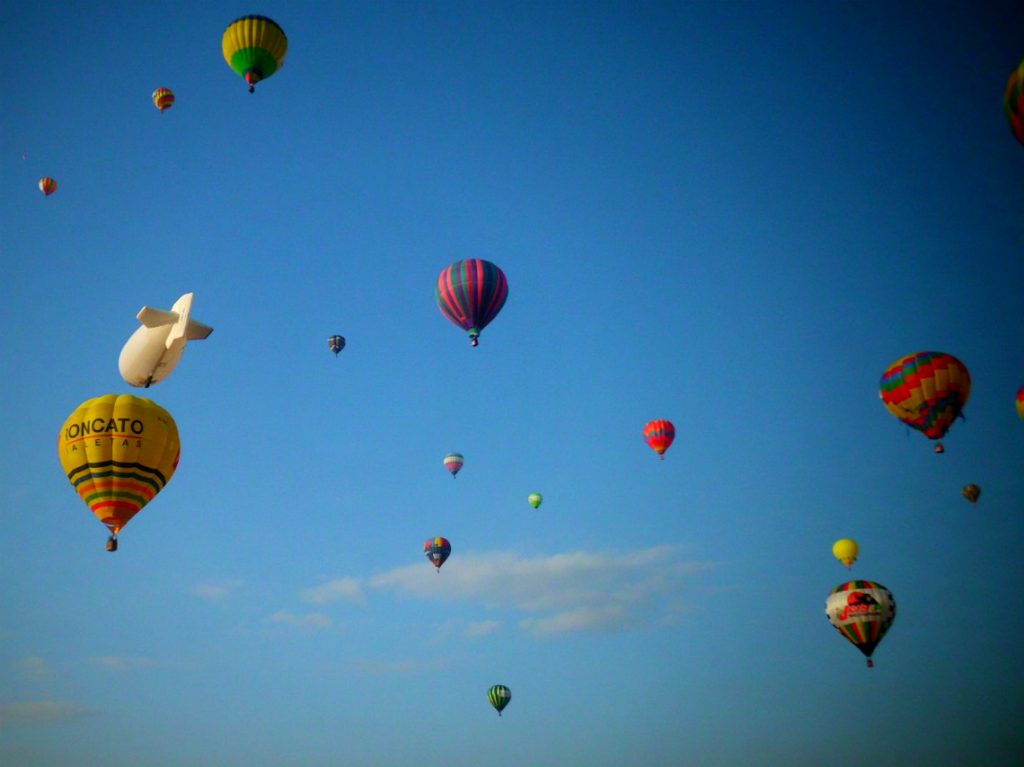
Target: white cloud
216,591
479,629
308,621
558,593
41,712
400,666
35,667
337,590
123,663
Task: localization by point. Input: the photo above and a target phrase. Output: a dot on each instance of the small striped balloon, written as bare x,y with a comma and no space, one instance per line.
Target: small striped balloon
453,462
499,696
47,185
163,98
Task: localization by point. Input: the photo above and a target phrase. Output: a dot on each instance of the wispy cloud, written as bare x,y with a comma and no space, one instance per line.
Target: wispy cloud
41,712
478,629
123,663
337,590
381,667
310,621
558,593
35,667
216,591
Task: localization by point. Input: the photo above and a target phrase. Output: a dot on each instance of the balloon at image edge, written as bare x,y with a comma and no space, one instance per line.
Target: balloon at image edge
1019,402
163,99
118,452
255,47
846,551
454,462
470,294
862,611
499,696
437,550
1013,102
660,435
927,391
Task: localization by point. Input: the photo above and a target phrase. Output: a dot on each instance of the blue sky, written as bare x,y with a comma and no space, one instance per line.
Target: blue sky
731,215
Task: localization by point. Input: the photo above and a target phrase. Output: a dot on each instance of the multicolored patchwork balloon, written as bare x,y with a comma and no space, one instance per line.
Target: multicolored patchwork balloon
862,611
927,391
659,435
336,344
1020,403
453,462
47,185
1013,102
470,293
118,452
163,98
499,696
437,551
255,47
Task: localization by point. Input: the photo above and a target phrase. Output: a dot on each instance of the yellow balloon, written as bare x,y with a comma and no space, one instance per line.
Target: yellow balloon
118,452
846,551
255,47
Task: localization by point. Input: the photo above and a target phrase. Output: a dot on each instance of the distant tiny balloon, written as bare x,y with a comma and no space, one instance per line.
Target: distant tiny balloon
659,435
846,551
163,98
437,550
536,499
336,344
453,462
47,186
1020,403
971,492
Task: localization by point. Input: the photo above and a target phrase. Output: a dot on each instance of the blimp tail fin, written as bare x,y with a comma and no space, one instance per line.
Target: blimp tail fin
185,328
154,318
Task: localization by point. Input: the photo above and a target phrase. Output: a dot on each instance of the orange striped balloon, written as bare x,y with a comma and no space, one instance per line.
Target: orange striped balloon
163,98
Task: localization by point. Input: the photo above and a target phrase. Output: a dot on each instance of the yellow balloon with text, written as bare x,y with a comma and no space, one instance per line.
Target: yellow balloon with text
118,452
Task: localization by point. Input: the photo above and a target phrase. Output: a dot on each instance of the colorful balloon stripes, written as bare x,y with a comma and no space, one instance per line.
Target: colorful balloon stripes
255,47
927,391
471,293
862,611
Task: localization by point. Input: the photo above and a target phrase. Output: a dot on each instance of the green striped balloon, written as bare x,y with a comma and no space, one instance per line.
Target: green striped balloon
499,696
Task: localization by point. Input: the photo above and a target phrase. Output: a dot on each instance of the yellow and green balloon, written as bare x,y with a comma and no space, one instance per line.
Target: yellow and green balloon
255,47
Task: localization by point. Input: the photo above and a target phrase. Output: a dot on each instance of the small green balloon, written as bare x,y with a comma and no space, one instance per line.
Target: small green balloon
535,499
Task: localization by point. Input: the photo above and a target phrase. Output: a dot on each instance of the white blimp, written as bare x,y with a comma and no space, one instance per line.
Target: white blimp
155,349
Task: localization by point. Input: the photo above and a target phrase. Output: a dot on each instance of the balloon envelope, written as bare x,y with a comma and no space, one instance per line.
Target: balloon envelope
255,47
47,185
1020,403
470,293
862,611
453,462
499,696
118,452
336,344
846,551
163,98
971,492
1013,102
535,499
927,391
437,550
659,435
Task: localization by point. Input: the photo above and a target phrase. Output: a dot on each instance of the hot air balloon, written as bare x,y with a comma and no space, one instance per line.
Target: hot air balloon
499,696
255,47
927,391
1020,403
437,551
862,611
336,344
659,435
118,451
1013,102
453,462
47,185
971,492
470,293
535,499
846,551
163,98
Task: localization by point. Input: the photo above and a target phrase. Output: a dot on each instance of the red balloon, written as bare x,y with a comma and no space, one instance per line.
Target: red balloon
659,435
